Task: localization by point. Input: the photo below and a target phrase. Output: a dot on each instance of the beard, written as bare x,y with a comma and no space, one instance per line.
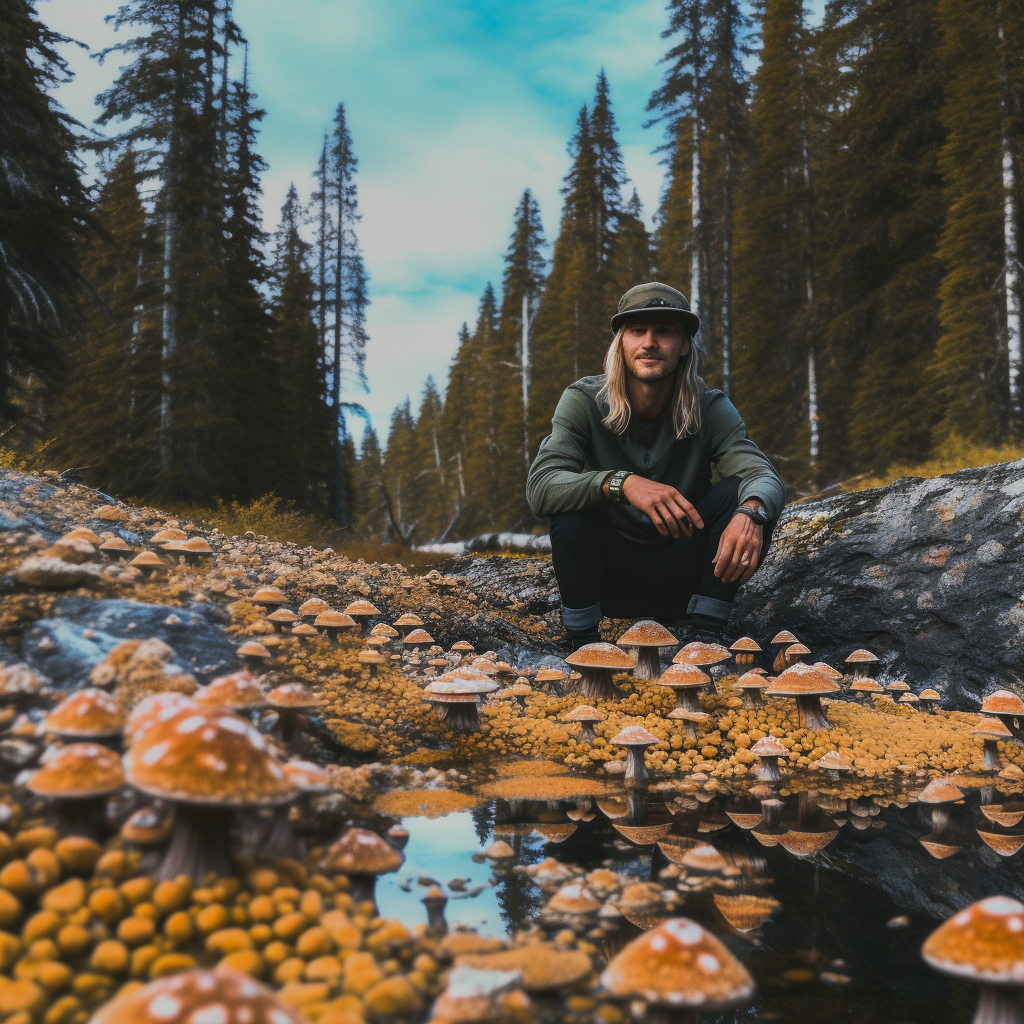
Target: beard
661,370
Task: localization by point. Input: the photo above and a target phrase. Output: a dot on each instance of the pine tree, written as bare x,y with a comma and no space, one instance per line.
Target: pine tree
369,514
430,482
878,226
775,369
610,169
969,369
454,430
632,257
302,421
400,469
43,209
111,400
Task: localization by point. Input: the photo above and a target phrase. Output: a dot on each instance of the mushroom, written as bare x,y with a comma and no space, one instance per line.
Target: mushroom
1008,708
115,547
636,740
372,660
435,901
363,856
985,944
745,651
333,624
406,623
475,996
208,761
462,649
930,699
679,970
832,762
416,639
828,671
648,637
691,718
149,829
240,691
745,913
797,654
269,597
254,655
992,732
898,686
910,699
518,692
282,619
168,535
573,903
198,997
362,612
867,687
782,640
687,681
752,686
586,716
281,840
807,685
455,699
768,750
553,678
597,663
77,780
309,610
863,664
148,562
701,655
290,701
89,714
940,793
305,633
196,549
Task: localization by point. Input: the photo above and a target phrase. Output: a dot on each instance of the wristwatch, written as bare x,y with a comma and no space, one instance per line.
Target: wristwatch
758,514
615,482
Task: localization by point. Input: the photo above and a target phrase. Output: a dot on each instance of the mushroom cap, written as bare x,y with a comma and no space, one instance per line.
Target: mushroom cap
198,546
584,713
984,942
210,997
329,619
798,648
382,629
470,672
362,608
681,714
940,791
362,852
269,595
162,536
18,679
516,690
1002,702
306,776
633,736
144,558
157,707
453,687
304,629
463,646
549,675
647,633
800,681
930,694
745,643
768,746
865,686
992,729
701,654
282,615
574,898
704,857
89,712
115,544
371,658
784,637
601,655
679,964
683,677
833,761
206,756
238,690
148,826
899,685
418,637
908,698
252,649
745,912
314,606
859,656
79,770
408,619
292,695
752,681
828,671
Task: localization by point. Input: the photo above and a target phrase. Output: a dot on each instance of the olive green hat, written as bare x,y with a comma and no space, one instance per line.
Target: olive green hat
655,297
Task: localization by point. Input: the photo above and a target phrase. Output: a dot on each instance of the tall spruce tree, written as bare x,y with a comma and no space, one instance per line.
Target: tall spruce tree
775,377
632,257
398,478
43,210
430,480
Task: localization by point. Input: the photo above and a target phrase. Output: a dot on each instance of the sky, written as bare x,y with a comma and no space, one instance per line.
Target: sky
454,106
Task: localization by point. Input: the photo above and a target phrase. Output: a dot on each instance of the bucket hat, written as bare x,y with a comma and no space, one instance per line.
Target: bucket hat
655,297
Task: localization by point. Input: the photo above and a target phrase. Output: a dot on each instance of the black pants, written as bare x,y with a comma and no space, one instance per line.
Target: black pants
594,564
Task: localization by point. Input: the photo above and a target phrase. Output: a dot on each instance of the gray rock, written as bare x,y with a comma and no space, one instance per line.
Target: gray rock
54,573
17,752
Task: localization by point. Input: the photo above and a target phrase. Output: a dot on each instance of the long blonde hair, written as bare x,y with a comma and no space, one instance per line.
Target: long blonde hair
685,397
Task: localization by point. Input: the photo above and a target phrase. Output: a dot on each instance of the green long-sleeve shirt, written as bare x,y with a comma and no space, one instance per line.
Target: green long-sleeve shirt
580,453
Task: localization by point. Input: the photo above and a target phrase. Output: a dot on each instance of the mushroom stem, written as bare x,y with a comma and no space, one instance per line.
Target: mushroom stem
281,841
199,844
768,769
460,718
437,926
81,816
992,762
752,697
999,1004
810,710
596,683
940,818
364,888
587,733
636,769
648,663
288,725
688,698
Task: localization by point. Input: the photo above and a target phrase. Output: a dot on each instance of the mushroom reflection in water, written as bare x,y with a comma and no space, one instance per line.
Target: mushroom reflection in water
746,912
648,637
597,663
984,943
679,970
435,901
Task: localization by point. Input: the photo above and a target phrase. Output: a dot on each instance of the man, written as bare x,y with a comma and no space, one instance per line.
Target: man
638,528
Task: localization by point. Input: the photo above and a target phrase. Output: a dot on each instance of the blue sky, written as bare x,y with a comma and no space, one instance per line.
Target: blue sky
455,106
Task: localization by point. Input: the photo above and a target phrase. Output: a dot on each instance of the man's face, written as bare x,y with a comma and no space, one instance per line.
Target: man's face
652,348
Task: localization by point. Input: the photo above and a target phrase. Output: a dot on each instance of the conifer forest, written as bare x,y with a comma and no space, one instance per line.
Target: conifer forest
842,204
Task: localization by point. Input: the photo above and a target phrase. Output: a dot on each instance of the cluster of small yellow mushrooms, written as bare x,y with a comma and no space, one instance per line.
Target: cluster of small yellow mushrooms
161,856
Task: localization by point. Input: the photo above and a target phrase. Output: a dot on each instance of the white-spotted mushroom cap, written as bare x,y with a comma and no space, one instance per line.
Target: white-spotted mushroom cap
679,964
701,654
20,680
199,997
452,689
684,677
574,898
238,690
89,713
292,695
77,771
745,644
306,776
601,655
157,707
860,657
583,713
940,791
800,681
1002,702
647,633
633,736
362,852
206,756
983,942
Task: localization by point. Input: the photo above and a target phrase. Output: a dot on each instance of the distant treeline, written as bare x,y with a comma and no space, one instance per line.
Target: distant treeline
845,219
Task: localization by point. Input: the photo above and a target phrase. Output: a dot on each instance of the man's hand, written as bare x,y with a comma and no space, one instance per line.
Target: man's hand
738,550
668,509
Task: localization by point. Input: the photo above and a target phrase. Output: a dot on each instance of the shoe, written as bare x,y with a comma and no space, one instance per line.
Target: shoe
578,640
705,632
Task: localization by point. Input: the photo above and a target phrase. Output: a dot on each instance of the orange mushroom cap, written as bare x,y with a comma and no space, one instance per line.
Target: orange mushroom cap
79,770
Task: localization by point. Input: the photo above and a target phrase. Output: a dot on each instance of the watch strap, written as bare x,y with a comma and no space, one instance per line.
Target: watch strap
758,515
615,482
